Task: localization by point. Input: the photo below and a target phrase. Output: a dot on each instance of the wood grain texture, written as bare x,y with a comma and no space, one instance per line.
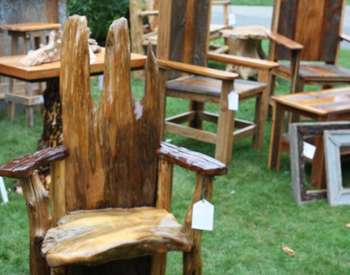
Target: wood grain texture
25,166
29,27
117,127
194,161
100,236
315,24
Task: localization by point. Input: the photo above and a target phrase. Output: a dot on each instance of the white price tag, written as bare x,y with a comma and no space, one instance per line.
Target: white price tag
233,101
309,150
203,215
3,191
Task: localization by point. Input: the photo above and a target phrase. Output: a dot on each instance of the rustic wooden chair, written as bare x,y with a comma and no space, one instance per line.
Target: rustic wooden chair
147,11
307,33
111,181
183,48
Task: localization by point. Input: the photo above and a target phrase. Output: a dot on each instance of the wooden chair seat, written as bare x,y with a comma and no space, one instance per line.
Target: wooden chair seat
311,72
212,87
112,234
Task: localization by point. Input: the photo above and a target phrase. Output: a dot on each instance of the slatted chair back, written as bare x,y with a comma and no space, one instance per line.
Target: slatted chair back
112,143
188,42
316,24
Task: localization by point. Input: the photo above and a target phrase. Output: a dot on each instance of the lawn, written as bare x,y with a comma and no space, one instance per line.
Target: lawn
255,212
258,2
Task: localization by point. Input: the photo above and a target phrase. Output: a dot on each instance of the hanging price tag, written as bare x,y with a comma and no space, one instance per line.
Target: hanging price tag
309,150
3,191
233,101
203,215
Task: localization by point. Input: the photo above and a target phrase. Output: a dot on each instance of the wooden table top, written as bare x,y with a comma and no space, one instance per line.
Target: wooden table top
247,32
332,101
30,27
11,66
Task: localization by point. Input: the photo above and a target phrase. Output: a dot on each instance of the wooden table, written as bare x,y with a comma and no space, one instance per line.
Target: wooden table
326,105
246,41
36,32
52,134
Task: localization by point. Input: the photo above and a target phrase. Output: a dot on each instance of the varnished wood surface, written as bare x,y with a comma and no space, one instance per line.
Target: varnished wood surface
326,102
99,236
197,70
25,166
317,72
11,66
285,41
194,161
30,27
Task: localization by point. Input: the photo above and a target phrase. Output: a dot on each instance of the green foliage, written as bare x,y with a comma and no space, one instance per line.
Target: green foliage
100,14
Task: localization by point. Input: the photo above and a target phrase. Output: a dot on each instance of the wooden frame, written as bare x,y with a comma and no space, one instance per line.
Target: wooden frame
298,133
334,140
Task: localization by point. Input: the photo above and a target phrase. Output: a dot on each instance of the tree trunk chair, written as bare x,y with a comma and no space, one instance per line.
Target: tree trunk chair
183,48
305,40
112,178
144,18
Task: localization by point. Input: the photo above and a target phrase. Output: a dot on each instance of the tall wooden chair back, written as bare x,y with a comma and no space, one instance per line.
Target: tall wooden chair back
112,143
189,40
316,24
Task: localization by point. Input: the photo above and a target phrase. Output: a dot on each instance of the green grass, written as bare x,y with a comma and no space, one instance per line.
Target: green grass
255,213
257,2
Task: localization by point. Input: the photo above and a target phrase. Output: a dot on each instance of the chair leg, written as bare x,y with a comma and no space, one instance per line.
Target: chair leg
192,262
158,264
271,92
262,104
197,107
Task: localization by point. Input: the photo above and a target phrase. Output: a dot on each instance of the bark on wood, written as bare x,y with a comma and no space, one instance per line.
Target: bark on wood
38,206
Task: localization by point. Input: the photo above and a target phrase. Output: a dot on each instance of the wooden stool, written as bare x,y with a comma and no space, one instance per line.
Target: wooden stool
246,41
326,105
28,32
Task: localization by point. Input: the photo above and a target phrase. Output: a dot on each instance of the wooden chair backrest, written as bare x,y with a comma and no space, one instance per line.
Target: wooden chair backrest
184,31
316,24
112,144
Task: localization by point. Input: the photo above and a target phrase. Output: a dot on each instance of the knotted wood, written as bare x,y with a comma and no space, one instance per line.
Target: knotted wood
112,144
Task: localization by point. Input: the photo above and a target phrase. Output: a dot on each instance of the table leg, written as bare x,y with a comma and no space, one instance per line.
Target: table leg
14,51
52,130
278,120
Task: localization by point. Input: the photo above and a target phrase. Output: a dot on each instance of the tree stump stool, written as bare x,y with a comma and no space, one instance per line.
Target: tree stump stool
33,34
245,41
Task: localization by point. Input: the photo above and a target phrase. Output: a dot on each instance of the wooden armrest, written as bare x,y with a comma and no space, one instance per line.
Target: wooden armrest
194,161
345,37
243,61
196,70
25,166
149,13
285,41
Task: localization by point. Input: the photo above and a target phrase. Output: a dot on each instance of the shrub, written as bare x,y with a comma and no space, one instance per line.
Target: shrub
100,14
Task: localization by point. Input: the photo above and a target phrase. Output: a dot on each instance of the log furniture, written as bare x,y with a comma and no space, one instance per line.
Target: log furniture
148,11
326,105
52,131
33,34
307,34
112,178
183,48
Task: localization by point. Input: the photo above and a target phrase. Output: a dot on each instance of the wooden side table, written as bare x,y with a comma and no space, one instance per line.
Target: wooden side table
245,41
326,105
28,32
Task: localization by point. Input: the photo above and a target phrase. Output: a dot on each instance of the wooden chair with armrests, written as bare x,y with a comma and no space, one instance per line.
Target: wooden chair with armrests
183,47
112,179
307,34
